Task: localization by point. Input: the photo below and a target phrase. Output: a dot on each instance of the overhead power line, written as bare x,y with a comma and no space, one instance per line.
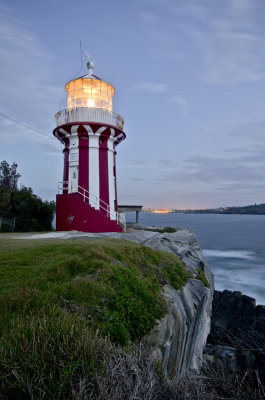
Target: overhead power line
76,75
26,126
81,55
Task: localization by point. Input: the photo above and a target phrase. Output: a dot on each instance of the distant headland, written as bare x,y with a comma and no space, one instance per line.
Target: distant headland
258,209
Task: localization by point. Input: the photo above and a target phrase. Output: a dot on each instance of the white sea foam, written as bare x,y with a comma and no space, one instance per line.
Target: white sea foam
229,254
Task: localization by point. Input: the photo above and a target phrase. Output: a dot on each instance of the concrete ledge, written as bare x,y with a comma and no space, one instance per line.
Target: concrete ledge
125,208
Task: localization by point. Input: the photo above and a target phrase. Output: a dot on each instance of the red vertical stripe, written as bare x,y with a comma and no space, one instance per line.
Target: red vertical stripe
103,170
115,180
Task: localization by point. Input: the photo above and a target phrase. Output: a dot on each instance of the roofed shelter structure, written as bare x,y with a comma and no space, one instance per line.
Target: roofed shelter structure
125,208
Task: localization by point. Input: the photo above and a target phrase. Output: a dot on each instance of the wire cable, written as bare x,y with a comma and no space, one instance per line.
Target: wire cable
27,126
81,55
76,75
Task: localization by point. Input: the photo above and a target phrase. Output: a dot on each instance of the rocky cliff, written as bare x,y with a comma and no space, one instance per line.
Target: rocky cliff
237,336
178,339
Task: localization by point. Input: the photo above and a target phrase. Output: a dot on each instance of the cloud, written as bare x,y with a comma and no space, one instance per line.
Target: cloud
228,36
233,57
185,107
231,37
26,78
253,131
152,87
167,163
222,172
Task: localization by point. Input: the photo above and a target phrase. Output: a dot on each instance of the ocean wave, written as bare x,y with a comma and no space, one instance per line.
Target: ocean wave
229,254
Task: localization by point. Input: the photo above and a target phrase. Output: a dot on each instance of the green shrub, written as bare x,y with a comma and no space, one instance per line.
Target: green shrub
169,229
135,300
202,277
116,329
6,227
166,229
176,274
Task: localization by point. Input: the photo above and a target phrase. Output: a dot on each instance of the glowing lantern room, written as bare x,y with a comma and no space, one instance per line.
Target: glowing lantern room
89,92
89,99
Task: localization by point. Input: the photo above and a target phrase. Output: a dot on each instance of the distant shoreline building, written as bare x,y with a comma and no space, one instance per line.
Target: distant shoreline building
89,131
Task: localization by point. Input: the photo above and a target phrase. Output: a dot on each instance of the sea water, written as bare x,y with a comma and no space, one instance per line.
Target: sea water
233,245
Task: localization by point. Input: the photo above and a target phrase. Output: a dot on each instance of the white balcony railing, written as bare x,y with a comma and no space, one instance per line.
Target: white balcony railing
86,114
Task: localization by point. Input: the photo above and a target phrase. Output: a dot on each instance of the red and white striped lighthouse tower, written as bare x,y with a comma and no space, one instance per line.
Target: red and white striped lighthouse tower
90,132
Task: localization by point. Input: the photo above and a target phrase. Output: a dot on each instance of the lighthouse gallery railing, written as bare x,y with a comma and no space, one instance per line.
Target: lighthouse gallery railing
82,114
92,198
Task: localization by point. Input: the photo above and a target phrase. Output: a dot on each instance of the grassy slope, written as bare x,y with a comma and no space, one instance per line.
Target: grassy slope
56,296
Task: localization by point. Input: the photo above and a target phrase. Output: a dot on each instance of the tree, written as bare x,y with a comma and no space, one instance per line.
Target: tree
31,213
9,176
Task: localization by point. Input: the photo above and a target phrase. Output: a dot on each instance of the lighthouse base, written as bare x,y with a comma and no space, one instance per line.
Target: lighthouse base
72,213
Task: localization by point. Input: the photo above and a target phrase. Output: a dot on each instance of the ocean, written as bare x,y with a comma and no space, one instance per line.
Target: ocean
233,245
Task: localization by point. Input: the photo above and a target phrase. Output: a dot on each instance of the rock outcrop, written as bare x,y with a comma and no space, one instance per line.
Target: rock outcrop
237,336
183,243
179,338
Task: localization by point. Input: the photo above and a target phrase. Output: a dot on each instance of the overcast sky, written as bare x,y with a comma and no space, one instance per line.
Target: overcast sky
189,77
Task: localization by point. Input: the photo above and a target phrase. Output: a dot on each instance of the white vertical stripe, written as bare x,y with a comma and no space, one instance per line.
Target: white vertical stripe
111,177
73,163
94,171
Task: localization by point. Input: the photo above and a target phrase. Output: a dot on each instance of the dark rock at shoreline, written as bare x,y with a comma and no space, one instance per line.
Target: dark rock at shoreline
237,336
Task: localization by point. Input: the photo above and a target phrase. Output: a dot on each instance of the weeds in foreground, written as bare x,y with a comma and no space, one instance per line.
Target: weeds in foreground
60,359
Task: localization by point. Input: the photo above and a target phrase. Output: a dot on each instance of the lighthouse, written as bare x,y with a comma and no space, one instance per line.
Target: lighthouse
90,132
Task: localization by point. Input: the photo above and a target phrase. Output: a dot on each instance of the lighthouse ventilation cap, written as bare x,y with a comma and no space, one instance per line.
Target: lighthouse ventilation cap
90,64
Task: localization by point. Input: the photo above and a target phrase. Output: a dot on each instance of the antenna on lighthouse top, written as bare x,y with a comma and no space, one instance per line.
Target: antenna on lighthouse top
90,64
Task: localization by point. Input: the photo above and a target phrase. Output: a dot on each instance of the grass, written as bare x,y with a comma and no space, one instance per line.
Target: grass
201,276
59,299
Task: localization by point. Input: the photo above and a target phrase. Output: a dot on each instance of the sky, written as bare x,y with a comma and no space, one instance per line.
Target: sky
189,79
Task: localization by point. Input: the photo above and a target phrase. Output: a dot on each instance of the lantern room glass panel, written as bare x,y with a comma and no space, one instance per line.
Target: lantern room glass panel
89,93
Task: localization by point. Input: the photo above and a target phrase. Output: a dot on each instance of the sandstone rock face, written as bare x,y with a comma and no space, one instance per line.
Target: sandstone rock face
183,243
178,339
